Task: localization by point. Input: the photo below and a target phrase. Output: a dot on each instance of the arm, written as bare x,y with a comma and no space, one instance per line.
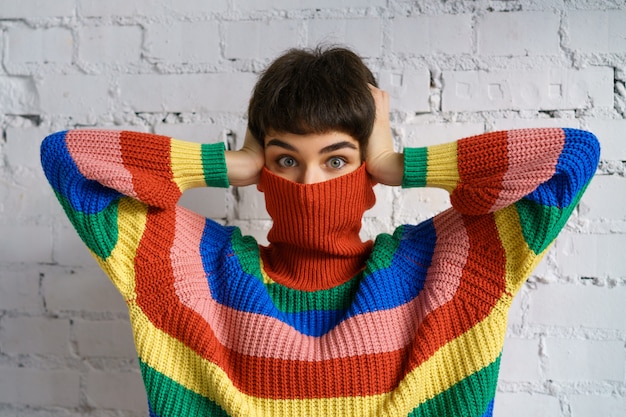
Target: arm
522,185
488,172
107,181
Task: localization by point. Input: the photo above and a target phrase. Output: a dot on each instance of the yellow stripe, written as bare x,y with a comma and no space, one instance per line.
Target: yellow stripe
460,358
520,259
119,266
443,169
186,160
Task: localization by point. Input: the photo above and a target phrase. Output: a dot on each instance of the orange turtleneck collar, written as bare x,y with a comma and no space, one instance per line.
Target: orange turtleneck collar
314,241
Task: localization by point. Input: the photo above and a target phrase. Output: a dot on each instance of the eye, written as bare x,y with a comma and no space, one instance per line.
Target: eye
287,161
336,162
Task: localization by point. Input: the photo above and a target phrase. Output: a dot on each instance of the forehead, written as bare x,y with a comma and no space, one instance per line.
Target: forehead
312,140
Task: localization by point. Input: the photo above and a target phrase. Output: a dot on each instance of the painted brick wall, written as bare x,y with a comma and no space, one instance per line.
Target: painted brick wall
185,68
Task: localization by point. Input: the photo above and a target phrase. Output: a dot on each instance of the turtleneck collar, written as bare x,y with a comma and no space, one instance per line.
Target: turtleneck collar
314,241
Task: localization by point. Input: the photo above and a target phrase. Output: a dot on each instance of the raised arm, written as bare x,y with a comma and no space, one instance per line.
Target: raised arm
86,164
488,172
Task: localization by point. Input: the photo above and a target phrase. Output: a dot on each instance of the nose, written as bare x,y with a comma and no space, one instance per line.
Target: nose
311,175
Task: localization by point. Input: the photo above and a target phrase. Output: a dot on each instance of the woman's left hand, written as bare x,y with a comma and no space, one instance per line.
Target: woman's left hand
385,165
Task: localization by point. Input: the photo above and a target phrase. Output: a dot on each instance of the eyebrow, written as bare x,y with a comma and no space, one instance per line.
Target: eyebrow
327,149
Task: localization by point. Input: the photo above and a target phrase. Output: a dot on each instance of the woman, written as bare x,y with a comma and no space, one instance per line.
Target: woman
319,322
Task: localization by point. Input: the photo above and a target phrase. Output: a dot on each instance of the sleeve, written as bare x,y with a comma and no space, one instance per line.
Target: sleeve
529,181
107,181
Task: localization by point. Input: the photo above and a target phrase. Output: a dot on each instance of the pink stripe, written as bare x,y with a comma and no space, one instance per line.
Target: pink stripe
251,334
532,157
98,155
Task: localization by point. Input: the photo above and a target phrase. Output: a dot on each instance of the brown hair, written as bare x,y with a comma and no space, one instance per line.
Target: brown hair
314,91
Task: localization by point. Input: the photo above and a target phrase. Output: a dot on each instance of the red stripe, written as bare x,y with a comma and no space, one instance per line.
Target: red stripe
482,285
147,157
482,163
351,376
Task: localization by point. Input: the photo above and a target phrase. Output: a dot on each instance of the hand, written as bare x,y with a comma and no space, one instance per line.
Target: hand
244,166
385,165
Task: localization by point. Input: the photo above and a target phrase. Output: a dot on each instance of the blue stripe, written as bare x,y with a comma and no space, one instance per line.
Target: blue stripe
85,196
385,288
572,172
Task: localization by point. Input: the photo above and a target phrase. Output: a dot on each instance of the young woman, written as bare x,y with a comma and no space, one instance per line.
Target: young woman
319,323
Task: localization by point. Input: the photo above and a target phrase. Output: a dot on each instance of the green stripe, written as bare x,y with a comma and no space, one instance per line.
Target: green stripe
98,231
469,397
214,165
541,224
290,300
415,167
168,398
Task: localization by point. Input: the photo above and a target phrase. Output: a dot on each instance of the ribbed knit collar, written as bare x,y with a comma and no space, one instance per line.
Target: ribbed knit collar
314,241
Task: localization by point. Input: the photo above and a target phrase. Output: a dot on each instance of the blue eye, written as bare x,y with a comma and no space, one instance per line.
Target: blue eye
287,161
336,162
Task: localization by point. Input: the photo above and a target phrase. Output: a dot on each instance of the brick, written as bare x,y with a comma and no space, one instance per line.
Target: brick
257,229
111,338
29,243
116,390
39,387
19,289
417,204
437,133
550,89
110,44
259,39
19,95
516,312
208,202
27,9
594,205
585,360
81,289
524,405
42,46
424,35
187,93
519,33
35,335
610,133
409,90
74,94
578,306
193,132
26,195
187,42
596,31
68,249
590,255
364,36
509,124
305,4
149,8
251,204
384,202
22,146
595,405
520,360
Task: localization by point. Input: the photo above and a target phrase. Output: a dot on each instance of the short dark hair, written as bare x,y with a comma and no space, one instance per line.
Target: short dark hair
316,90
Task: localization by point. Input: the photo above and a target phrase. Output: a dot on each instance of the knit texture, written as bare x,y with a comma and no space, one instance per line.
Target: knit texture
314,242
418,331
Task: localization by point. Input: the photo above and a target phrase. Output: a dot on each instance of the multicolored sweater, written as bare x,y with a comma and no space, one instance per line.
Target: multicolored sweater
417,331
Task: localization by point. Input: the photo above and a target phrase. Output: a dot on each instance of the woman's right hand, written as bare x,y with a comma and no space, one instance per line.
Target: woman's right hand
244,166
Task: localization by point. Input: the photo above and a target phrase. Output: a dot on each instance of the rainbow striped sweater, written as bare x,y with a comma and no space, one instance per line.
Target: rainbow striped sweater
418,331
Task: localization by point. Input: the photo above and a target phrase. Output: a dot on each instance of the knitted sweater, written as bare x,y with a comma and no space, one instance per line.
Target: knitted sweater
418,330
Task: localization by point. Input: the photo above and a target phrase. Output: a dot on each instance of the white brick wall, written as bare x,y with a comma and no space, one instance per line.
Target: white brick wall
186,68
